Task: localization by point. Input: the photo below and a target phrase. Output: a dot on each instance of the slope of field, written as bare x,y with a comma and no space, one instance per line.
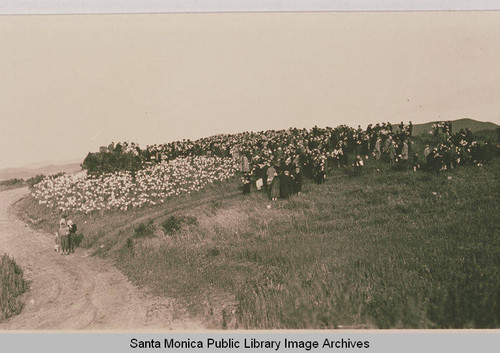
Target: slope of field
458,124
384,249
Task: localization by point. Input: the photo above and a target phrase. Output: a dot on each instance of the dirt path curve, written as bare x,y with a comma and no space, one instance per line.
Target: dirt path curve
78,291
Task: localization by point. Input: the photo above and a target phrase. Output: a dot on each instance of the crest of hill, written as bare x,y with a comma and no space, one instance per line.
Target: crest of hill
458,124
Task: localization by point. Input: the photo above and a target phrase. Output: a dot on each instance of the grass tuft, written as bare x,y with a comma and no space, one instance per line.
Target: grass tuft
174,223
145,229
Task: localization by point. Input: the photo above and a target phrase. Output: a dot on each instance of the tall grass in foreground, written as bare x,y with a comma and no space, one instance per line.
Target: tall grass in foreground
384,249
387,250
12,285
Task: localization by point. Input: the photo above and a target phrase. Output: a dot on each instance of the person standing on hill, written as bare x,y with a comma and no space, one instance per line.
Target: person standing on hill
279,153
297,180
285,180
270,173
392,152
246,183
378,146
245,166
427,153
405,152
416,163
274,181
358,165
387,143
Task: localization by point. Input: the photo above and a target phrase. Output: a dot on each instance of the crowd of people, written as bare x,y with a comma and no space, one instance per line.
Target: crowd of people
453,150
441,127
277,160
314,146
272,160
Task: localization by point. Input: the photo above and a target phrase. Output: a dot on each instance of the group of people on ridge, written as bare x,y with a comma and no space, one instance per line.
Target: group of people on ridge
277,162
280,179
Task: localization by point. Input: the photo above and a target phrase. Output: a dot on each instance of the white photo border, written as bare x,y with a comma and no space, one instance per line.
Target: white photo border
46,7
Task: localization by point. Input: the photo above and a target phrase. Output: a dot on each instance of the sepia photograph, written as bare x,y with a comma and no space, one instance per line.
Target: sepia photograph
250,171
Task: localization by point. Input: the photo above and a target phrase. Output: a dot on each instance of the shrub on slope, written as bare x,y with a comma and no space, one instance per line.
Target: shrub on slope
12,285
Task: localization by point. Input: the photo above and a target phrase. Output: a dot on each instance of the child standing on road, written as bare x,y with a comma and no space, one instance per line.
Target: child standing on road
57,242
63,233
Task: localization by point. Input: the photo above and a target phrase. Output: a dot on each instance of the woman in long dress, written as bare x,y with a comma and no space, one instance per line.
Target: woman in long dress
274,180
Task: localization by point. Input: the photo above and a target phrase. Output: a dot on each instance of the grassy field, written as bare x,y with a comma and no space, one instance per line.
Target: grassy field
384,249
12,285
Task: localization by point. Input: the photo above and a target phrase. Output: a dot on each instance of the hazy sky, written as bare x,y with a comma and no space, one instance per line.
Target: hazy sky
69,84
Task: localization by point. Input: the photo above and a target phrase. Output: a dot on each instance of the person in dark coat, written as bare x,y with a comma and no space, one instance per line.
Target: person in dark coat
246,183
297,180
416,162
358,165
378,146
392,153
319,173
285,181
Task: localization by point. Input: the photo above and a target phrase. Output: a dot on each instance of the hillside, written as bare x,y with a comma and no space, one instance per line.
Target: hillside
384,249
472,124
363,241
27,172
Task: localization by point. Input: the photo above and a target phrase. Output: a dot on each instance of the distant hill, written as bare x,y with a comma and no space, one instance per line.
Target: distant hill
472,124
27,172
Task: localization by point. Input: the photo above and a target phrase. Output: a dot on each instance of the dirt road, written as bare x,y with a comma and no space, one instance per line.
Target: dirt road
78,291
